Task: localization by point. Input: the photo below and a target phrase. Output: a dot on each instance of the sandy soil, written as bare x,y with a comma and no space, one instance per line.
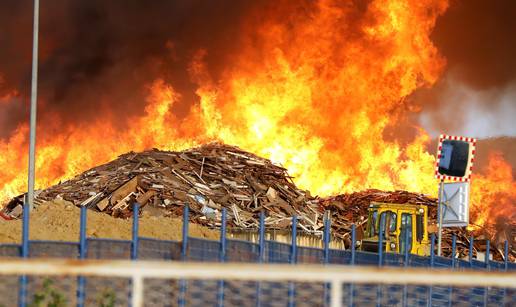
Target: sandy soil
59,220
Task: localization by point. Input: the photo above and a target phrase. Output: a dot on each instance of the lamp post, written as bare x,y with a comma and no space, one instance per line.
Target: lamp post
33,106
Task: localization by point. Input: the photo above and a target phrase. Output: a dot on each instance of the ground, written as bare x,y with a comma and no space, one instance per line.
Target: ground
59,220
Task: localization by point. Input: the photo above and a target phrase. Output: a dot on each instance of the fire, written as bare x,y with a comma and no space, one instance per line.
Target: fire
493,196
314,91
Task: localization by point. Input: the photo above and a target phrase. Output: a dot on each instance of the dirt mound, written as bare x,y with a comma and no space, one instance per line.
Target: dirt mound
59,220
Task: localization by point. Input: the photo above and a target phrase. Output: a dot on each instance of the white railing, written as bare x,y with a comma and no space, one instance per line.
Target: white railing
335,275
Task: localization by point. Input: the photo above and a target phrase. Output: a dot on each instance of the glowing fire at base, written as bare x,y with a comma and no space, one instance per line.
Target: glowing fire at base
314,91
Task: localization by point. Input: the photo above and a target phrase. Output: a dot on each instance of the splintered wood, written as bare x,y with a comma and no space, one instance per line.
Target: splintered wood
207,179
216,176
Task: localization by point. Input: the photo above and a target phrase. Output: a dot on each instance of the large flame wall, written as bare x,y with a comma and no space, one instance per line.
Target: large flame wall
314,90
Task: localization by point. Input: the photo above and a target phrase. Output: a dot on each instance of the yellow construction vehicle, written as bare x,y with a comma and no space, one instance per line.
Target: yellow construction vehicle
396,222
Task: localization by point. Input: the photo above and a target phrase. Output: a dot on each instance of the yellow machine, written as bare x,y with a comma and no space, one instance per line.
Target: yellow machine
394,221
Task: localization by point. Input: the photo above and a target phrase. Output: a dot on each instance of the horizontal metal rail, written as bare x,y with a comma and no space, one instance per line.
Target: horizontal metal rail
250,271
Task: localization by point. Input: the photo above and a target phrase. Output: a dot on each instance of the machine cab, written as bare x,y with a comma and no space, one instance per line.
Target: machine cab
401,225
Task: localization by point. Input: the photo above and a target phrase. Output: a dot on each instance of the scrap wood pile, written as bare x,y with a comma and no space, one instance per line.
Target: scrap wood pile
206,179
216,176
352,208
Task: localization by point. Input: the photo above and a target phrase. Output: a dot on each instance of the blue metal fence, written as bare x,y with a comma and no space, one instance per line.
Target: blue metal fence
196,249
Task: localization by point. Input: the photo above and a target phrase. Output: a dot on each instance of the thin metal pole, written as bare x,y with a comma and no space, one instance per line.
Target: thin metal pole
471,252
353,243
222,258
326,253
405,264
81,280
184,253
184,245
134,245
261,255
326,240
293,260
432,261
454,248
440,213
486,289
380,263
261,241
33,106
25,254
352,262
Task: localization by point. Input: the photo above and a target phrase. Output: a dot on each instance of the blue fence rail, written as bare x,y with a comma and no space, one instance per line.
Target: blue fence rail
265,251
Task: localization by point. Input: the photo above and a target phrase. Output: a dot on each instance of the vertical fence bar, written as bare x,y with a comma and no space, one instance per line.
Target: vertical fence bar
380,263
261,255
488,247
326,254
454,249
134,241
432,262
471,252
405,264
184,253
134,247
352,262
506,254
380,246
22,299
486,289
293,260
353,243
81,281
222,257
326,240
506,266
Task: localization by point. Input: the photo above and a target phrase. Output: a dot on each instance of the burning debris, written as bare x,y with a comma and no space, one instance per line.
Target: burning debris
215,176
206,179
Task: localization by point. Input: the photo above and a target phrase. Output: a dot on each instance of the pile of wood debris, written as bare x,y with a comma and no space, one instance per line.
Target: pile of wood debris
206,179
215,176
348,209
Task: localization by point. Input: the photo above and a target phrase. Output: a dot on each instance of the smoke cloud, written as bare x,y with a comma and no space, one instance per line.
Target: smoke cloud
97,56
477,94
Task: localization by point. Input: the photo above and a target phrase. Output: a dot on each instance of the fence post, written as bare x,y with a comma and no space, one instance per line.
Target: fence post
81,281
471,252
222,257
380,263
184,247
380,246
326,240
24,253
506,254
488,247
134,243
326,252
352,262
506,264
405,264
486,289
261,255
454,248
353,243
293,260
432,261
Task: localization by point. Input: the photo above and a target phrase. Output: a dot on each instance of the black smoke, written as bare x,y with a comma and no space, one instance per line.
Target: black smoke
97,56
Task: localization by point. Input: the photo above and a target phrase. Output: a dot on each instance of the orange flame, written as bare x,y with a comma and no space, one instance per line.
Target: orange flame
314,91
493,197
